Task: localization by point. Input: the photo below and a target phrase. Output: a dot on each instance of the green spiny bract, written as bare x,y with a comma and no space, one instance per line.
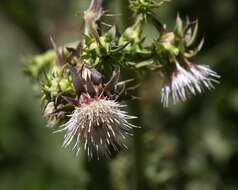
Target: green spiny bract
177,45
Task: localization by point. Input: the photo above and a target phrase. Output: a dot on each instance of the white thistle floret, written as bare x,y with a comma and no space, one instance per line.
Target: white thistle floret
98,126
185,81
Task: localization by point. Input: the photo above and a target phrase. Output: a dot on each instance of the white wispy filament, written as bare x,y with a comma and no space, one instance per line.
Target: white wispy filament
99,126
184,81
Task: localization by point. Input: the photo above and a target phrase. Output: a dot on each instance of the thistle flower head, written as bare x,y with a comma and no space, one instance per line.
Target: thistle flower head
181,81
98,125
181,77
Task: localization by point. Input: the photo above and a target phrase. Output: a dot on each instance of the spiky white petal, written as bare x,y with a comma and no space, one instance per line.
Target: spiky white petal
184,81
98,126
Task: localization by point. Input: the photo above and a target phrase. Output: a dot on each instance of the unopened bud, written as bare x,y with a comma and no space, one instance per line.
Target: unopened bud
96,9
50,108
93,14
168,37
96,76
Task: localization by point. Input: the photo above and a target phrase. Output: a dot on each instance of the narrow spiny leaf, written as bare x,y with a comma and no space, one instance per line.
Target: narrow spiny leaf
77,80
60,59
90,88
194,36
70,100
113,81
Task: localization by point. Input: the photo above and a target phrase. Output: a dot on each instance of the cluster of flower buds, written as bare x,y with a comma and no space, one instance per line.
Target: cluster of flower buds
110,50
145,7
81,87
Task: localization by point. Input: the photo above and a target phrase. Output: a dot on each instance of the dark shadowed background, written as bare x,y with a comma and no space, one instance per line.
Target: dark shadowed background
190,146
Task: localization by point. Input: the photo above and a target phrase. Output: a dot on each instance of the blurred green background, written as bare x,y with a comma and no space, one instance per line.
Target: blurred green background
190,146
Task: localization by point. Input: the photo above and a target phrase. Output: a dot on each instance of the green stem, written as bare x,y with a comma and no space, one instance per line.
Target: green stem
139,182
98,170
126,14
138,170
99,175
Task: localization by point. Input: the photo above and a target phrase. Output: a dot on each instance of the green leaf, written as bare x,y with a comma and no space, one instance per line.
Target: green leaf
194,36
179,26
111,33
144,63
195,52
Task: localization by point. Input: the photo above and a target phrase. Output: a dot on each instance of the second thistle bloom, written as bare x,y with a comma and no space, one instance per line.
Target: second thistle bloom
182,81
181,77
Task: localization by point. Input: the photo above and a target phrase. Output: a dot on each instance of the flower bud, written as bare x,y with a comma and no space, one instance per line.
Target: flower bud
54,117
91,15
